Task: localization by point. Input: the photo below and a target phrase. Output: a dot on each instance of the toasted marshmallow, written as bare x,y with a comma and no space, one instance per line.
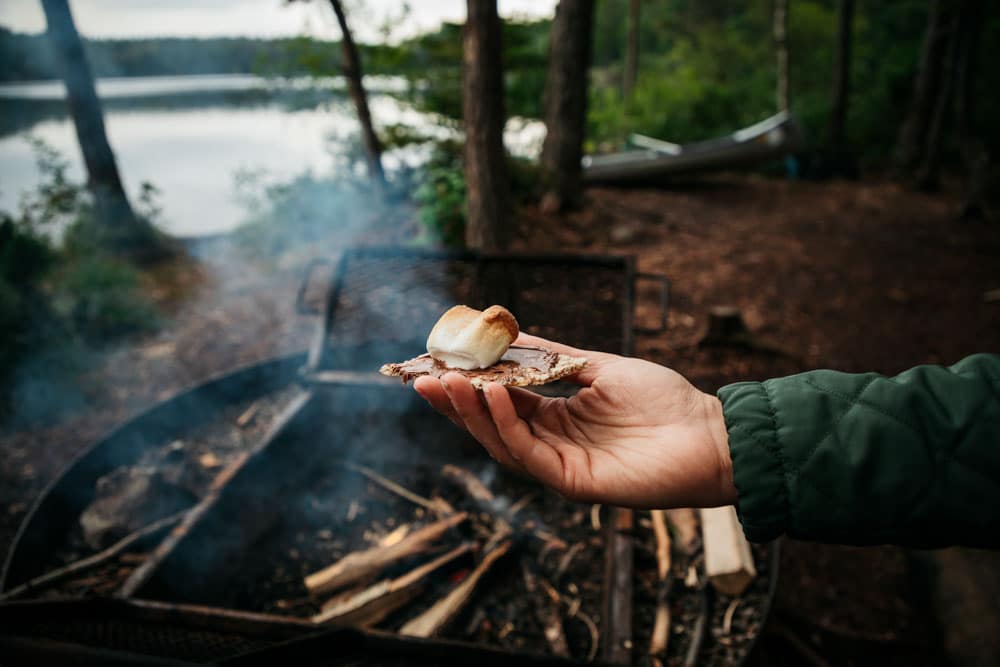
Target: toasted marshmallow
466,338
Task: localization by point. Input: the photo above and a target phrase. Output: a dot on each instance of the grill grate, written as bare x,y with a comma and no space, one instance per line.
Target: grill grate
384,301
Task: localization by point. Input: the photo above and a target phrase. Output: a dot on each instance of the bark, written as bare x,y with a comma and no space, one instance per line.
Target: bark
975,155
352,72
631,49
487,189
782,94
841,78
910,145
566,103
117,225
926,178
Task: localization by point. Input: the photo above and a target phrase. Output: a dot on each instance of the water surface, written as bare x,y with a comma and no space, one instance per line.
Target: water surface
191,135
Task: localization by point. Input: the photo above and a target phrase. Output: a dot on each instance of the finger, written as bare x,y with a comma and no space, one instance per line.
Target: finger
595,360
526,403
431,390
470,409
537,458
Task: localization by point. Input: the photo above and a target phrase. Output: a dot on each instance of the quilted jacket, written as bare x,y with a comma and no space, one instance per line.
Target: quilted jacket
864,459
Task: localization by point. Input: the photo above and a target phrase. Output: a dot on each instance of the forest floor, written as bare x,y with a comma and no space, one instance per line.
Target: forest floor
853,276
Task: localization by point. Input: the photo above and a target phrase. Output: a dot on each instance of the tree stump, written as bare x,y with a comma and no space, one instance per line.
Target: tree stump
726,327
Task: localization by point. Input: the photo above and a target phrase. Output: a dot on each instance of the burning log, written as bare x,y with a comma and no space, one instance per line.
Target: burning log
548,613
444,610
728,559
370,605
661,625
362,564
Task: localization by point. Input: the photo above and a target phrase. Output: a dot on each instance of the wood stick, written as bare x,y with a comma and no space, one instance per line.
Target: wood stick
685,524
94,560
487,501
618,568
660,636
547,612
662,543
595,517
361,564
438,505
372,604
728,560
248,414
472,485
698,633
523,502
444,610
567,560
595,635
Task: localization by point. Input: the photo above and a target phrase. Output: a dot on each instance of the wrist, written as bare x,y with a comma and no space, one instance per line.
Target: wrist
719,436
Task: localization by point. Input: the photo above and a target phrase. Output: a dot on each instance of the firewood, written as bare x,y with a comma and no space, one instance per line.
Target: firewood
372,604
661,624
728,559
662,543
469,482
698,633
444,610
685,524
437,505
547,612
361,564
248,414
94,560
487,502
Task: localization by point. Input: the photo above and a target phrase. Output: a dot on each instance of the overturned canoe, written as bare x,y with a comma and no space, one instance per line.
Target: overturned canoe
769,139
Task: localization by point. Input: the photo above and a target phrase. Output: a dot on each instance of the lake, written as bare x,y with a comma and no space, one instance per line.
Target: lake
191,135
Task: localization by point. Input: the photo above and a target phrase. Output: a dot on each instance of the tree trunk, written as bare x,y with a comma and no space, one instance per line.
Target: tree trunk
117,225
566,103
782,92
841,79
631,49
352,72
926,178
910,146
975,155
487,188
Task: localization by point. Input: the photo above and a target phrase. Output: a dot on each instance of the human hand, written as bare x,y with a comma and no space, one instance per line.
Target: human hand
636,434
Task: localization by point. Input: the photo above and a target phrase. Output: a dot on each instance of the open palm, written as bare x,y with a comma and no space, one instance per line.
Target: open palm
636,434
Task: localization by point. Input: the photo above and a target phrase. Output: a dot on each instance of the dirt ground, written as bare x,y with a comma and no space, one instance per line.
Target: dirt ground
852,276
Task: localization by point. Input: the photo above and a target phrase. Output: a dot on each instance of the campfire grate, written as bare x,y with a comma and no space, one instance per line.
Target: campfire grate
386,299
376,306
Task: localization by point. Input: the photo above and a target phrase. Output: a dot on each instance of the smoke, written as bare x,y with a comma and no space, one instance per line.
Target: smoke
229,302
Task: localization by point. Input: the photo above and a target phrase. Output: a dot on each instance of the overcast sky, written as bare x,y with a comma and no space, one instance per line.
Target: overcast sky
259,18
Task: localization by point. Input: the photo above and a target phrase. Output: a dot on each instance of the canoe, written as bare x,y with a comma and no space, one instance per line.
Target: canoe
769,139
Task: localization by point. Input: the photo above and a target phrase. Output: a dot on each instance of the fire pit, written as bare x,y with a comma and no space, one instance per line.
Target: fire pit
356,504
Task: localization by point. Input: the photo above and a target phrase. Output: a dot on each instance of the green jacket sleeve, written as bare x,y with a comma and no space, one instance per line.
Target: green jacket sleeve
866,459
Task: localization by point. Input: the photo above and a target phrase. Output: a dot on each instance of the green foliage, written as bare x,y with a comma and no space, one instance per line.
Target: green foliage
708,67
440,198
56,297
101,298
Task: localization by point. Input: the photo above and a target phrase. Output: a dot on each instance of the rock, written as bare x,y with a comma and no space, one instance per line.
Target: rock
128,499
